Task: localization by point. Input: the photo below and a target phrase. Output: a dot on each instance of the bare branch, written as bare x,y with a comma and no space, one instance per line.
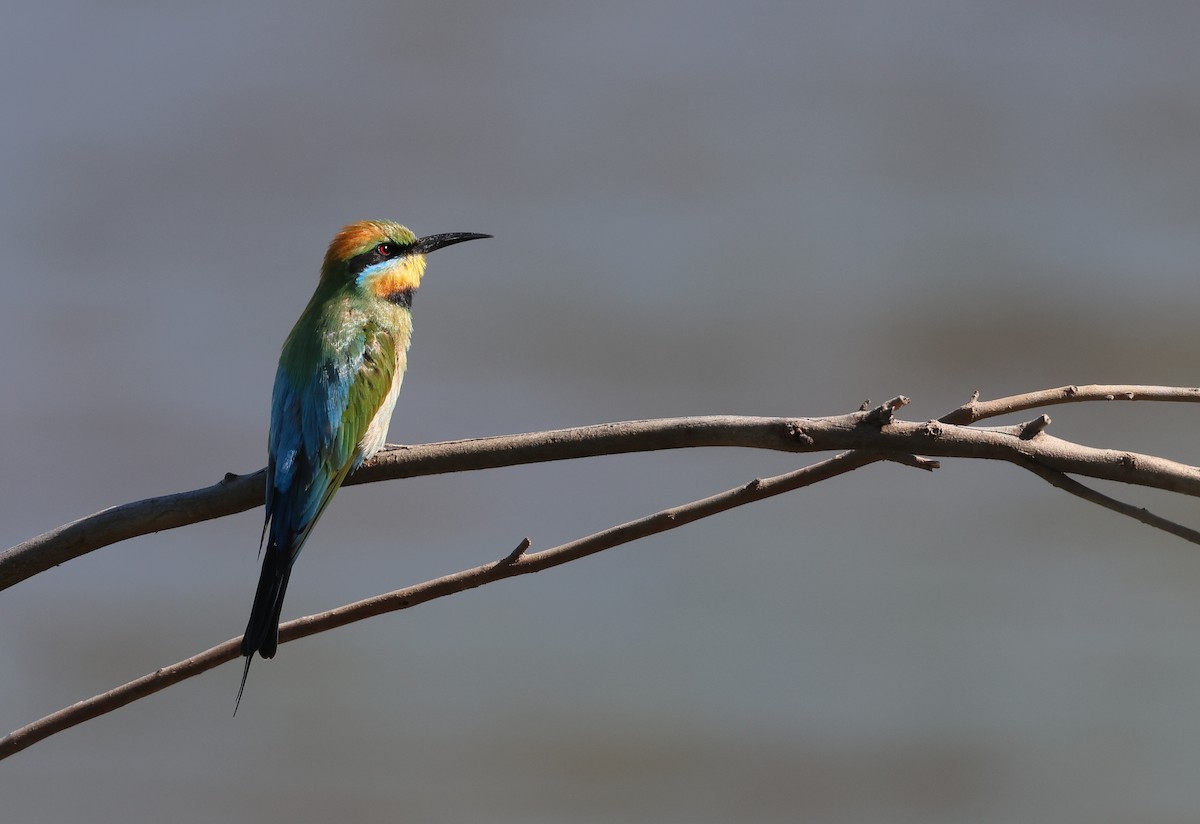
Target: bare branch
517,562
870,435
875,430
1140,514
975,410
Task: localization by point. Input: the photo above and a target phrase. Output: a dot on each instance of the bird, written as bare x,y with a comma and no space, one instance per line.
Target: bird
335,389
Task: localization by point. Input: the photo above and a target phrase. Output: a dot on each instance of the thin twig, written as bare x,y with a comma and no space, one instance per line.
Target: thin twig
976,410
1141,514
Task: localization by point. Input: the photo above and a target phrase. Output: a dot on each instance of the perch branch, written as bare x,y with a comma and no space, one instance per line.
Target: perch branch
860,430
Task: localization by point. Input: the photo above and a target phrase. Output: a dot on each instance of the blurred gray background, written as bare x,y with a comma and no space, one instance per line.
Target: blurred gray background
771,209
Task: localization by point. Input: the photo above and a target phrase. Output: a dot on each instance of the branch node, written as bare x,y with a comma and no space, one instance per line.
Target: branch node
932,429
1035,427
230,477
965,414
885,413
795,431
915,461
514,556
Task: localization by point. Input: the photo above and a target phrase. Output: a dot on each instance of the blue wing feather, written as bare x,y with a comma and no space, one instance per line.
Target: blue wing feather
317,423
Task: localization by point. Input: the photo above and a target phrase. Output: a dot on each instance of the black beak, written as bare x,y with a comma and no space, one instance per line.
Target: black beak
432,243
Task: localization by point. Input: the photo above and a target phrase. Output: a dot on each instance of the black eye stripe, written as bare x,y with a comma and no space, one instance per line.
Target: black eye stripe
357,263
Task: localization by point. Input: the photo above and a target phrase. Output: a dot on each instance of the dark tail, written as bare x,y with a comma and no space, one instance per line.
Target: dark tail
262,632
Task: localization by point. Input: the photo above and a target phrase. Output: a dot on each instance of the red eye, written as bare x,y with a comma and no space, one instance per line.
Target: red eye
384,249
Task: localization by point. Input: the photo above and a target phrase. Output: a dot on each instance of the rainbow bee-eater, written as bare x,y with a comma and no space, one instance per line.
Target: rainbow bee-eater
335,389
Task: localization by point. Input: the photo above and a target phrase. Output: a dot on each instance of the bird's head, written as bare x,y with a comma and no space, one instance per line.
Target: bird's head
384,259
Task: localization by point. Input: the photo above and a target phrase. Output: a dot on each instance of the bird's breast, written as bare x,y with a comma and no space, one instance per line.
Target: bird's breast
376,433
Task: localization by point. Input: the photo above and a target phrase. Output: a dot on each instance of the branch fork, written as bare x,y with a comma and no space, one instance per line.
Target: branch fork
863,437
